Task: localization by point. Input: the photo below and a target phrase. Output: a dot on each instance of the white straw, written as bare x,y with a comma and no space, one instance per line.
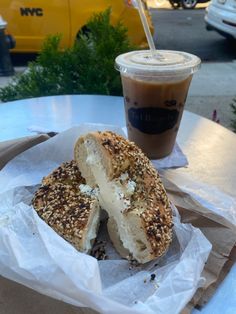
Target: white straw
146,28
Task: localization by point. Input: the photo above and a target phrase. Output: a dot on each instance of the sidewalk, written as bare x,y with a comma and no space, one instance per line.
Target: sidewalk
213,87
5,80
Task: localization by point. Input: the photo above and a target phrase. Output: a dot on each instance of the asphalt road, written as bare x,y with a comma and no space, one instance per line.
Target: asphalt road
185,30
179,30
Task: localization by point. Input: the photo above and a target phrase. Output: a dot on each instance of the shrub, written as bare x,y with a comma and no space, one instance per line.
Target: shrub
85,68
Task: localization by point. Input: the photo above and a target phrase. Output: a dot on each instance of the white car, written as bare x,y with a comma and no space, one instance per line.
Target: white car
221,17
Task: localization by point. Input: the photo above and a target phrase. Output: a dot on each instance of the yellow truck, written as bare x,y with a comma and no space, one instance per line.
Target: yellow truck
30,21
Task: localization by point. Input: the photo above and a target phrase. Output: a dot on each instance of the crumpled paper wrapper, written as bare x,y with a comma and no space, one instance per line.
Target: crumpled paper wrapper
216,218
32,254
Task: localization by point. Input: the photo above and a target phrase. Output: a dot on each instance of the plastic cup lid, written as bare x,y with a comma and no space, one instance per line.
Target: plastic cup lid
165,63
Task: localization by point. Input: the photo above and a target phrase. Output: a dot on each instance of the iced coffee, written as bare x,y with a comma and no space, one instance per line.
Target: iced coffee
155,91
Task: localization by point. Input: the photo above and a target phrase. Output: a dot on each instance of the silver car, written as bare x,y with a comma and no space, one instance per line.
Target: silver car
221,17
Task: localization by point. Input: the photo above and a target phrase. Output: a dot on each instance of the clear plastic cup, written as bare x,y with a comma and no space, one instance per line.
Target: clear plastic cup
155,91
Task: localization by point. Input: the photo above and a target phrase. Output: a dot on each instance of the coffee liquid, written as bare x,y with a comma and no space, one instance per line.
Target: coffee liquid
153,113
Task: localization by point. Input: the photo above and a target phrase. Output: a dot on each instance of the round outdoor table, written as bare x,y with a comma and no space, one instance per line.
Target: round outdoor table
209,147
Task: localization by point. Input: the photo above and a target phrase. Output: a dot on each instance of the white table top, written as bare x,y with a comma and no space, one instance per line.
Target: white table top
210,149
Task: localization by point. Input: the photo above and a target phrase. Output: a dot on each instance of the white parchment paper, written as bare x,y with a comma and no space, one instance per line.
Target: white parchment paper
176,159
32,254
207,195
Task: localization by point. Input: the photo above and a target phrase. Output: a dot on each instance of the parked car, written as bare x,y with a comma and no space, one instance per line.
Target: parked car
30,21
186,4
221,17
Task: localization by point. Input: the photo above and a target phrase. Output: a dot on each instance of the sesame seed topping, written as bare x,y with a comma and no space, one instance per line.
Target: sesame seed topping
61,204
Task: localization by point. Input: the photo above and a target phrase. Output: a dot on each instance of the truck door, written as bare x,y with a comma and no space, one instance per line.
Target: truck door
31,21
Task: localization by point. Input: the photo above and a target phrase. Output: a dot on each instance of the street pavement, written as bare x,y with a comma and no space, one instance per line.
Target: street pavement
213,87
185,30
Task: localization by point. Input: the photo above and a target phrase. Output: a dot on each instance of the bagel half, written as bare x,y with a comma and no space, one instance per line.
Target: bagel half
131,192
69,206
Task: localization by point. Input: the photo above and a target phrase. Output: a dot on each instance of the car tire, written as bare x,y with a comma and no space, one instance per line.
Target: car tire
174,4
230,39
188,4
